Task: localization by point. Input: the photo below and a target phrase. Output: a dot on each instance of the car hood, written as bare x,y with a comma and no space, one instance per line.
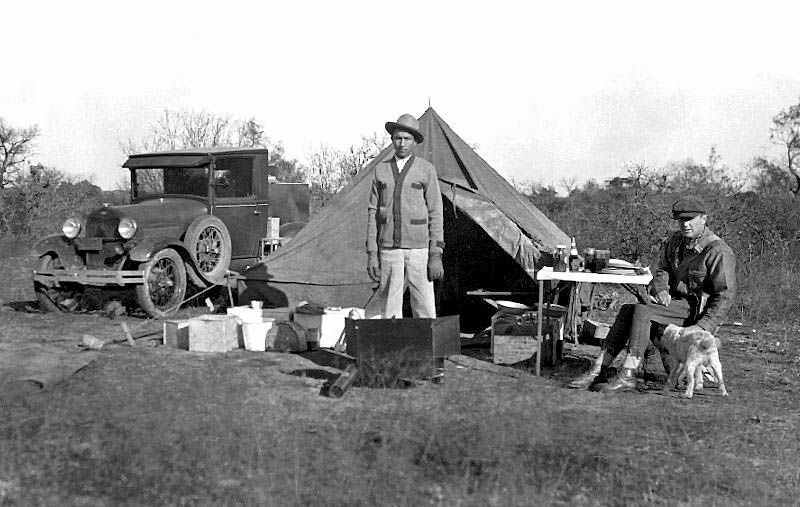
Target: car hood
163,212
163,216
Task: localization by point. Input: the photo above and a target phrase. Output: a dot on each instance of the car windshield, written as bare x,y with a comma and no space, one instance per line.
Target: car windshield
170,180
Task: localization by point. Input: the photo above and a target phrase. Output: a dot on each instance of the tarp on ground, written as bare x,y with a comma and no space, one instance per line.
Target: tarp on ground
492,234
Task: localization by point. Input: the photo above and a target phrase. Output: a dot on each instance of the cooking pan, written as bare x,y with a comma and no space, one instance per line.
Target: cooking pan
514,308
509,307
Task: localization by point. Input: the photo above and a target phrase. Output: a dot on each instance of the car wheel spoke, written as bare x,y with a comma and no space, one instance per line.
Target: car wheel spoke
209,248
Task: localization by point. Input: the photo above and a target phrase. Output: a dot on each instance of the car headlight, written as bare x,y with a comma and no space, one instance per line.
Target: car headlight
127,227
71,227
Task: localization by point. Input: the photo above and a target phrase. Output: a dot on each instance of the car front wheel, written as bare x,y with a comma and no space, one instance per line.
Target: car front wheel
65,297
164,285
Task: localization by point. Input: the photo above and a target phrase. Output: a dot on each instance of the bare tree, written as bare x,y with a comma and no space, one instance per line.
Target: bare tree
251,133
16,145
569,184
785,132
194,129
330,169
185,128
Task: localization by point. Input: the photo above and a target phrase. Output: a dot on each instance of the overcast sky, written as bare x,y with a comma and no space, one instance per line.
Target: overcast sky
547,90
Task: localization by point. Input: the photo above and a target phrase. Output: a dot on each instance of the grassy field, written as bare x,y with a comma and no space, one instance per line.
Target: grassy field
154,426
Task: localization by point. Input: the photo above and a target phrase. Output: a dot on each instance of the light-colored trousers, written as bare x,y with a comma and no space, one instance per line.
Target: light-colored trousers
403,268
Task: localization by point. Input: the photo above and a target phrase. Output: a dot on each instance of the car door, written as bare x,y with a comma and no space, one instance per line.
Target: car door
236,204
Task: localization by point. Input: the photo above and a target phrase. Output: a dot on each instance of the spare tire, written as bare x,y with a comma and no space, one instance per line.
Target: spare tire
209,244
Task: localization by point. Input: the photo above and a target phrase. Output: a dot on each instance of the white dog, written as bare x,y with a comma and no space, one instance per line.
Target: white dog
687,354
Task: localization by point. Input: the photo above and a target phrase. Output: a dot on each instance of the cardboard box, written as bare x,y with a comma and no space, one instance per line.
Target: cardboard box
411,345
324,330
514,338
214,333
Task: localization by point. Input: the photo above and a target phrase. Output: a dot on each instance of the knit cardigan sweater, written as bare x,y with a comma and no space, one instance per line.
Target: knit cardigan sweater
405,208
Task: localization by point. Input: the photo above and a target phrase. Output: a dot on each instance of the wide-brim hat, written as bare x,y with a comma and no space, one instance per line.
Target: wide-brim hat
408,124
688,207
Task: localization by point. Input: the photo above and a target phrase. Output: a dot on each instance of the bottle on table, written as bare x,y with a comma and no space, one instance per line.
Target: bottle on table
574,259
560,258
588,260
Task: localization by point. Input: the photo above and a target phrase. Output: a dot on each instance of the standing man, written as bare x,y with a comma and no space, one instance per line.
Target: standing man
405,225
694,286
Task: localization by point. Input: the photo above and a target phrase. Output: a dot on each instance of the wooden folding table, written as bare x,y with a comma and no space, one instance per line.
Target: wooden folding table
547,274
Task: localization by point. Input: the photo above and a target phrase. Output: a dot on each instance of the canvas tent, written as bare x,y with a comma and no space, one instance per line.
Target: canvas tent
492,233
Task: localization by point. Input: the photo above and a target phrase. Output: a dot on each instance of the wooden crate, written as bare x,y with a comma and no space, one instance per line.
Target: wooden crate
214,333
176,334
419,343
514,338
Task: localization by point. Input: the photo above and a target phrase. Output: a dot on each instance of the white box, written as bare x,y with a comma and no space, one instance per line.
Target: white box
247,314
273,227
326,328
214,333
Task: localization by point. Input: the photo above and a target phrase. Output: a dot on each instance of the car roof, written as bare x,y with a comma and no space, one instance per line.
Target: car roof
187,157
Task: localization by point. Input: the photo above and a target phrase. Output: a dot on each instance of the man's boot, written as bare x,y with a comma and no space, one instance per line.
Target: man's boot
625,380
586,380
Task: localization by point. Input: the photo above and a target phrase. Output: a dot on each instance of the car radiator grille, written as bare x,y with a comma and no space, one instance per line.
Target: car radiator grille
102,227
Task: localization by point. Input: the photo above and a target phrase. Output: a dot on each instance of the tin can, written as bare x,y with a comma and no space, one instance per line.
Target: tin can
601,259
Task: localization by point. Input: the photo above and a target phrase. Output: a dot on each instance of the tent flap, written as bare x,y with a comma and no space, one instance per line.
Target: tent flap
499,227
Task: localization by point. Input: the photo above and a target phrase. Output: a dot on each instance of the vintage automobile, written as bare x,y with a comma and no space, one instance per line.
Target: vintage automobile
196,216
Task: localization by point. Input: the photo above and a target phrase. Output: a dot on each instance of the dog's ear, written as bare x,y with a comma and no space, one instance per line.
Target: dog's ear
672,332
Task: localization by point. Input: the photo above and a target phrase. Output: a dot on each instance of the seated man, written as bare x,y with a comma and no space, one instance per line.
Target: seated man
694,285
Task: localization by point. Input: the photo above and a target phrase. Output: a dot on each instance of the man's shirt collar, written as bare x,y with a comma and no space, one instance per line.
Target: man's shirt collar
401,162
700,243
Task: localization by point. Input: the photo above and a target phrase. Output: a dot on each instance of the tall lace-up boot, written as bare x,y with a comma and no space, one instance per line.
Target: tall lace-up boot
625,380
586,380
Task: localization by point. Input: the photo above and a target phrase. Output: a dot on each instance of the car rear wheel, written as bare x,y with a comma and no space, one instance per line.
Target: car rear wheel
65,297
164,285
209,243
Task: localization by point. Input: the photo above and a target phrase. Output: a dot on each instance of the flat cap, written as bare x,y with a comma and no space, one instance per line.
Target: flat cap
688,207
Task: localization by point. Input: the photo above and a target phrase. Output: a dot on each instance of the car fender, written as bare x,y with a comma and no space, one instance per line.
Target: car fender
145,250
58,244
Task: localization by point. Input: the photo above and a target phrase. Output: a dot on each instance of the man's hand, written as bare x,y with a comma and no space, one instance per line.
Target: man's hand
373,266
663,298
435,268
